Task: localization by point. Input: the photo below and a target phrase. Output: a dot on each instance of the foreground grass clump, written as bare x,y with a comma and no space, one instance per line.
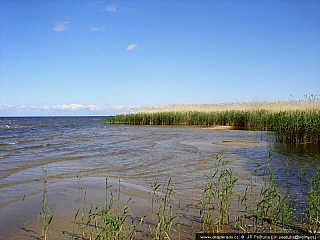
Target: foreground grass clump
291,126
220,209
313,210
104,222
271,211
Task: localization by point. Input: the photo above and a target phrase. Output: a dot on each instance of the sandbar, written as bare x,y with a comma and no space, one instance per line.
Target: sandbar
242,143
218,127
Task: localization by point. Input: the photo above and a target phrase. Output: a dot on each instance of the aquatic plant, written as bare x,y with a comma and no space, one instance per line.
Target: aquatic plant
164,212
215,201
109,221
310,101
45,214
270,211
272,208
313,210
291,126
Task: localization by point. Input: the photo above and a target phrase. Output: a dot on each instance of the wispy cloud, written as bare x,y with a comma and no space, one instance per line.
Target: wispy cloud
94,29
75,107
63,107
61,26
111,8
45,107
6,106
119,109
132,46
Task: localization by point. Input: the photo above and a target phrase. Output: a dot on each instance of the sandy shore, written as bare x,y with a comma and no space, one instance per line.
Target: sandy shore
20,220
219,128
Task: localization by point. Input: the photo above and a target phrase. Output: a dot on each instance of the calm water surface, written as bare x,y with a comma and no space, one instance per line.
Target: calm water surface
67,146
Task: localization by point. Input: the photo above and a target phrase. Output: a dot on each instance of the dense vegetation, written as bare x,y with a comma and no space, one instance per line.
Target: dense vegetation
291,126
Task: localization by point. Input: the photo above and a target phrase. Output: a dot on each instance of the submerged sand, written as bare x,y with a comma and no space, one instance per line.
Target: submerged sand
240,143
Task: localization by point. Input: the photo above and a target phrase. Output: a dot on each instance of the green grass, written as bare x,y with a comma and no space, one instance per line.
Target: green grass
45,214
290,126
270,211
104,222
313,210
216,198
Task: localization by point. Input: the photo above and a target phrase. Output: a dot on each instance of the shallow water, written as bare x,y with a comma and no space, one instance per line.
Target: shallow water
62,147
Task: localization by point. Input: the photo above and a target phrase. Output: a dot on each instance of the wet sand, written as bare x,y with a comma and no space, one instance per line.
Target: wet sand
237,143
219,128
20,220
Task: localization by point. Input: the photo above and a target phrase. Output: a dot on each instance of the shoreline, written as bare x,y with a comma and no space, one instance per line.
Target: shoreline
19,220
289,126
137,155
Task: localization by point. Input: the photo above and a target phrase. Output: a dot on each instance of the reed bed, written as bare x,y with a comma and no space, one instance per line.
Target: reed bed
290,126
310,101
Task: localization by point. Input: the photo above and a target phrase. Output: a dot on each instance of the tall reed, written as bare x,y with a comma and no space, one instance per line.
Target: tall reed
216,199
162,199
294,126
107,222
313,210
45,214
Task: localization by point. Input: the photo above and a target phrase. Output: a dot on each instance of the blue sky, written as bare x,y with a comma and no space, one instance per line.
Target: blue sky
96,57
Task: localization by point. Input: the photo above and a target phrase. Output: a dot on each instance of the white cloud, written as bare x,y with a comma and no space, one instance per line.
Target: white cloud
61,26
118,108
111,8
94,29
6,106
75,107
96,108
132,46
45,107
64,107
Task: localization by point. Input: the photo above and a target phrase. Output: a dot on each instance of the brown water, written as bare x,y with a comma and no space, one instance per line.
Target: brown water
64,147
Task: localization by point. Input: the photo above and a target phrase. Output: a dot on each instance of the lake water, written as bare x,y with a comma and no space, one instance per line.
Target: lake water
65,147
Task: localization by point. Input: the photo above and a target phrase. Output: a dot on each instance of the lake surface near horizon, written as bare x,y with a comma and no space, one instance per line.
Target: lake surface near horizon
66,147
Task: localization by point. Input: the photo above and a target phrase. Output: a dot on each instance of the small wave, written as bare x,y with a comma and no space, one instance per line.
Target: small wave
204,161
11,143
205,168
6,150
20,148
35,140
37,146
10,127
15,170
126,140
68,158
